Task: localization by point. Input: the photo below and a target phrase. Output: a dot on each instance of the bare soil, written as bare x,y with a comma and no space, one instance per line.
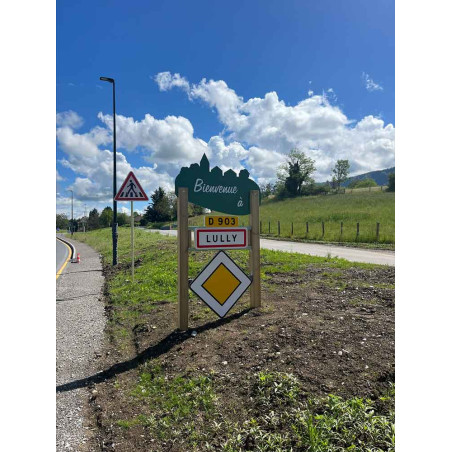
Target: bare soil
332,328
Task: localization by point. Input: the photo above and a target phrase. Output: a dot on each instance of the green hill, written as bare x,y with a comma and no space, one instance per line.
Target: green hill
363,207
380,177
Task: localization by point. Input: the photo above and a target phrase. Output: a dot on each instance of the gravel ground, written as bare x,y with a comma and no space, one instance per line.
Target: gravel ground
79,335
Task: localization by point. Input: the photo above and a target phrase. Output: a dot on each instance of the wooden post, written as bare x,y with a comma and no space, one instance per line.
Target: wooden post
323,229
132,221
378,232
357,229
255,252
260,227
269,227
342,226
292,229
279,228
182,258
307,228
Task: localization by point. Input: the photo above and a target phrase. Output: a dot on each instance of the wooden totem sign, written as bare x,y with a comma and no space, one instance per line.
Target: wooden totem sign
221,283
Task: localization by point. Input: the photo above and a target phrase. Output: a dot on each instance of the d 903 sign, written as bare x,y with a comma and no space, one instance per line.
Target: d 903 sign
218,222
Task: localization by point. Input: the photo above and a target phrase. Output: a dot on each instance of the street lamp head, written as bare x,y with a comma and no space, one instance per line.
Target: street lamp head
107,79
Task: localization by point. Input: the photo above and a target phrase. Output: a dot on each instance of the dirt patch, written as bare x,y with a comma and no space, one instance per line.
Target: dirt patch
331,328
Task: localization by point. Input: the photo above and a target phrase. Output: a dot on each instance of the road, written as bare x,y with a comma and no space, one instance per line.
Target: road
80,323
370,256
62,253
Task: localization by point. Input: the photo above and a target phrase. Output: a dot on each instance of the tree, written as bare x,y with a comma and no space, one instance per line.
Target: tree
194,210
267,189
362,183
73,225
93,220
106,217
123,218
160,208
62,221
391,182
295,174
340,172
172,198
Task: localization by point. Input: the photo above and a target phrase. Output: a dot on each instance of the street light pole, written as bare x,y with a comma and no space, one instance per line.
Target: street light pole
72,213
115,207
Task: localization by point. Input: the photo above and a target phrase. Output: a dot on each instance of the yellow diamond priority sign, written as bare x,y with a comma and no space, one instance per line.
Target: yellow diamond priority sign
221,284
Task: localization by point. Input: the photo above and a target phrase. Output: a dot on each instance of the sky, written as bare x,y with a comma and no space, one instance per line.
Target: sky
242,82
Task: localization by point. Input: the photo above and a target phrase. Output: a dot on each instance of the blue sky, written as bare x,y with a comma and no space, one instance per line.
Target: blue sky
242,81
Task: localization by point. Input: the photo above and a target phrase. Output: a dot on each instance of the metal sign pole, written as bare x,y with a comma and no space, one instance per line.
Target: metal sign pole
132,221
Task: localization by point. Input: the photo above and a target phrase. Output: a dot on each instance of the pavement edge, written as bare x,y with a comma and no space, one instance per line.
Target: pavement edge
70,245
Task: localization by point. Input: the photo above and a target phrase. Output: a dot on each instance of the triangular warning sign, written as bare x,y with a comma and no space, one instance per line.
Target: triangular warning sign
131,190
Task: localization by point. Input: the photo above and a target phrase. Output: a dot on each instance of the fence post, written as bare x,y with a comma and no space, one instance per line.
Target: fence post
260,227
292,229
279,228
378,232
323,229
357,229
307,227
342,226
269,227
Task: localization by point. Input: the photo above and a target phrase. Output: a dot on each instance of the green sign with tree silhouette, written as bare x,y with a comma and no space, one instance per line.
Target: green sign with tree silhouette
226,193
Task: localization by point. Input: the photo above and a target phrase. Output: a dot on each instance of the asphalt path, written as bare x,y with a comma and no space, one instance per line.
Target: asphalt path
370,256
80,323
62,253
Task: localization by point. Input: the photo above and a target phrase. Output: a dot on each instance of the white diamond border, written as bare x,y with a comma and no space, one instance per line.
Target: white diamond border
196,286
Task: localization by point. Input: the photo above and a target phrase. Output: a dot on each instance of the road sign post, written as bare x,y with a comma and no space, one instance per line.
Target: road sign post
182,258
132,223
221,283
255,252
131,190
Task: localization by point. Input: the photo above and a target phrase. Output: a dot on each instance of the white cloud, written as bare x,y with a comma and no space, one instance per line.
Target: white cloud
93,166
270,128
370,84
170,140
58,176
69,119
263,163
166,81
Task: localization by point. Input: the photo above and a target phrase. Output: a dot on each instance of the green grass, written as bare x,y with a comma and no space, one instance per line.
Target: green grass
317,424
173,403
363,207
278,415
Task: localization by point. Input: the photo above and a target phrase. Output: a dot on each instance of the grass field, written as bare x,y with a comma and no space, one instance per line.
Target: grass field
265,380
359,206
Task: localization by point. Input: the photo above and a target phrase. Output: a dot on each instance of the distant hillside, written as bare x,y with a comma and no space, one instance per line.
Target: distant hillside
380,177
